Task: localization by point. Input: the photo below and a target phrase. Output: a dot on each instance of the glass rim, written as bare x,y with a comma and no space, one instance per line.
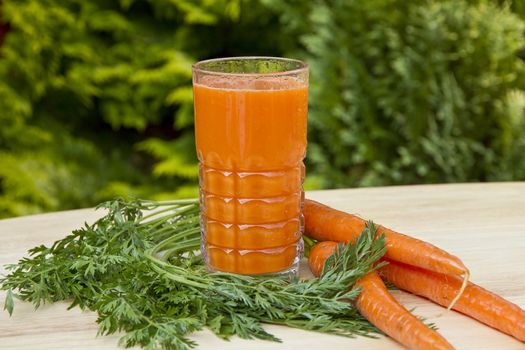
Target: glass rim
197,67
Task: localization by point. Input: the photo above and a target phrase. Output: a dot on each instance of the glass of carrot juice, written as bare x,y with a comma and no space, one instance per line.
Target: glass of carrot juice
250,129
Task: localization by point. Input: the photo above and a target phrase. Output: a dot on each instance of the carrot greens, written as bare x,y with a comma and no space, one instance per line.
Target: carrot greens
139,268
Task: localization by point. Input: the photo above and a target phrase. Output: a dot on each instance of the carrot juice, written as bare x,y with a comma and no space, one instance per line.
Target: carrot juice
250,127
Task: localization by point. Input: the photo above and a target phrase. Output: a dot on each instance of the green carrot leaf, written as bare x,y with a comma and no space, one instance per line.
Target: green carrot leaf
139,268
9,302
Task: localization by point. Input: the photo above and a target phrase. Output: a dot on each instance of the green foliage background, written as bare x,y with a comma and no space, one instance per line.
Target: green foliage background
96,101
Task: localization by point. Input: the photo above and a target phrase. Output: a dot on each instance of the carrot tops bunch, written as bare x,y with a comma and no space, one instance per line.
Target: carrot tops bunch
139,269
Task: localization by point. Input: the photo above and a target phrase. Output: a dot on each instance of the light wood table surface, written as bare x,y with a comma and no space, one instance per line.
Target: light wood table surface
484,224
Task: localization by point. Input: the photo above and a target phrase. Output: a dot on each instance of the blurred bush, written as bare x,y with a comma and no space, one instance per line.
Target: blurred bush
413,91
96,102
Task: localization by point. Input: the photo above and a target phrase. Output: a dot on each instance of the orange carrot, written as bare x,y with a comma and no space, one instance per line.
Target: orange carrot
318,255
475,302
327,224
378,306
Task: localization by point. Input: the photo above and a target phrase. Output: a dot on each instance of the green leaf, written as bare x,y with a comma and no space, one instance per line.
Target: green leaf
9,303
138,267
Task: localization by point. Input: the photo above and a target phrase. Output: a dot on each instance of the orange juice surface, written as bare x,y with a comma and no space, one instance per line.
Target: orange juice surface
251,141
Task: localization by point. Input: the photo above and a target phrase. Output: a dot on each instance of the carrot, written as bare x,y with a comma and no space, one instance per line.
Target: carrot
475,302
318,255
378,306
327,224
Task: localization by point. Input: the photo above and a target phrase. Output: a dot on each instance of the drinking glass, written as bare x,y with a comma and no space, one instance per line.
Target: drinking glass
250,129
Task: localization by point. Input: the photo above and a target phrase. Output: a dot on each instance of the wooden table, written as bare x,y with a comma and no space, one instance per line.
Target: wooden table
484,224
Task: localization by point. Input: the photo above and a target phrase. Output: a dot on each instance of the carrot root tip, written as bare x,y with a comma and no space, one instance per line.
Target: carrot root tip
464,285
